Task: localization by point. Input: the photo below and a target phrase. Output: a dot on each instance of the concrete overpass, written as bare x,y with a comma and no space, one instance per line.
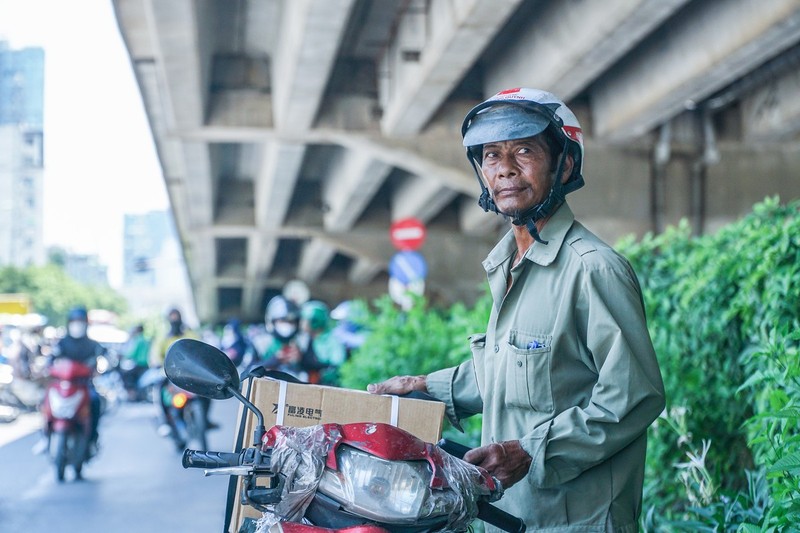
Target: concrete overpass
291,133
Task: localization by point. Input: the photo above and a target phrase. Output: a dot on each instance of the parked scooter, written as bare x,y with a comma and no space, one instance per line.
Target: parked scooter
9,403
67,415
370,477
18,395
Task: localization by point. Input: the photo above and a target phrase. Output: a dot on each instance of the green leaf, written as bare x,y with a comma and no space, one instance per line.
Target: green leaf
790,463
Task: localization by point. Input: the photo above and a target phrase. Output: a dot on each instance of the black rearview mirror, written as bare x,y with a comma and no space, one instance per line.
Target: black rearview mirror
202,369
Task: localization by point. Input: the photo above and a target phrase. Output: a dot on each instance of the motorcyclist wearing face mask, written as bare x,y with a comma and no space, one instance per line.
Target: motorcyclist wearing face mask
284,352
77,346
177,330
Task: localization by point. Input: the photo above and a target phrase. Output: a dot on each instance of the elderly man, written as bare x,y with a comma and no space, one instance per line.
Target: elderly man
565,376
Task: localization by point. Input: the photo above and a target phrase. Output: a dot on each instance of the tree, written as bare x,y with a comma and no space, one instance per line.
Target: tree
53,293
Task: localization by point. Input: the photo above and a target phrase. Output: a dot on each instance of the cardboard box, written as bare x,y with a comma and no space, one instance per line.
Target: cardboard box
302,405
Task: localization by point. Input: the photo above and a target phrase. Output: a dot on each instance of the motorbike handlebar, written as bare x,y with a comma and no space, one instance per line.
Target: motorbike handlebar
499,518
204,459
486,511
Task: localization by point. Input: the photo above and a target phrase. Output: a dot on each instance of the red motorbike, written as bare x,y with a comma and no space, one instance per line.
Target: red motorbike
67,415
358,478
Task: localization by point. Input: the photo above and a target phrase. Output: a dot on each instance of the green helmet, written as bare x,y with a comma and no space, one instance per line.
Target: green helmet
316,313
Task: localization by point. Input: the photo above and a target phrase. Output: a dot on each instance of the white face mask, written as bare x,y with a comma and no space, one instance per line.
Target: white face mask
227,337
76,329
285,329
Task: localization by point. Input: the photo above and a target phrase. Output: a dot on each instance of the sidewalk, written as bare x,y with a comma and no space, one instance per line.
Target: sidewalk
24,425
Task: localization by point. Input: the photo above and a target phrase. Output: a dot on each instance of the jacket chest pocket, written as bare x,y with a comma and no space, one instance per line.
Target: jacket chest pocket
528,379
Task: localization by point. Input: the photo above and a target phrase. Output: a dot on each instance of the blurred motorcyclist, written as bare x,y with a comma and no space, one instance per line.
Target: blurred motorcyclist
136,354
348,316
177,330
315,322
284,351
234,343
77,346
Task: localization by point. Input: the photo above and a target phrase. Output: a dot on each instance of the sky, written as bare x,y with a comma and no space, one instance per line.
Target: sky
100,162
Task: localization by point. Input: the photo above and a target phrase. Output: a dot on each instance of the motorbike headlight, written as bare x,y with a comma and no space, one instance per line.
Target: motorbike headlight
386,491
179,400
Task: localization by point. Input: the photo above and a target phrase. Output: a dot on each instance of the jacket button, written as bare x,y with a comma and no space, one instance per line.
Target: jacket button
496,348
519,363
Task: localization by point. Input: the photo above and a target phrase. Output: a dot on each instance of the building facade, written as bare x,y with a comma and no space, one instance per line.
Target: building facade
154,276
21,156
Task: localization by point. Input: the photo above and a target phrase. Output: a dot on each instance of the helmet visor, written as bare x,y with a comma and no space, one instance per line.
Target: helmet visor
504,122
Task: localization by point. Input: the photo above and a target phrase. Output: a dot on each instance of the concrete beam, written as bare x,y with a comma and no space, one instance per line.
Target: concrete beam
689,61
311,32
173,72
349,188
364,271
132,21
260,256
275,182
199,189
183,59
314,259
451,36
414,155
201,267
572,43
772,113
420,197
169,148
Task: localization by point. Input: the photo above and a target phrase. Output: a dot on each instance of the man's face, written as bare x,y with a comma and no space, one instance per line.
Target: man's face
517,172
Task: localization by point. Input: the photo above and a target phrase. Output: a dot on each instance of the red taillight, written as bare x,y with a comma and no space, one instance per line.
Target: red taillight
179,400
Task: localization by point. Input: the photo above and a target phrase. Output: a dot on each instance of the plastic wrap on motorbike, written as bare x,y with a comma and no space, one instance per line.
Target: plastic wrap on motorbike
431,488
299,455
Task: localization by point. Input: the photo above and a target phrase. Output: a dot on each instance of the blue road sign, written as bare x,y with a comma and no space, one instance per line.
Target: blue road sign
408,266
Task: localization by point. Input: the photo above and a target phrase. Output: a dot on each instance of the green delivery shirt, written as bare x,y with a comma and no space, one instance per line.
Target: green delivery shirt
566,367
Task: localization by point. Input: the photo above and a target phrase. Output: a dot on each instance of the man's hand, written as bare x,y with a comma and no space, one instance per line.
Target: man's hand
399,385
506,461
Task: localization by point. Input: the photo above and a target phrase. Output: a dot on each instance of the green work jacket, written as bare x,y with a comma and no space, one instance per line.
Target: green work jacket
566,367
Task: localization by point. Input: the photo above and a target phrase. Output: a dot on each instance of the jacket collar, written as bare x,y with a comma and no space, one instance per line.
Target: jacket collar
554,232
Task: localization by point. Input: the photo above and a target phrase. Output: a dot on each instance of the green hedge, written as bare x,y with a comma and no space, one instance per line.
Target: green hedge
723,311
724,314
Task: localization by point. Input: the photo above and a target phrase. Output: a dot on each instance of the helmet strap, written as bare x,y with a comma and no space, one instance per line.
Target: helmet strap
533,214
555,198
485,200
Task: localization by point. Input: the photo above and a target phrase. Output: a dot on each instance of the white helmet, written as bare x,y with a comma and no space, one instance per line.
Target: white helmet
517,114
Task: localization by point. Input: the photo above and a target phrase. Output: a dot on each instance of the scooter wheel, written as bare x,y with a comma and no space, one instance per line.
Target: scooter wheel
60,458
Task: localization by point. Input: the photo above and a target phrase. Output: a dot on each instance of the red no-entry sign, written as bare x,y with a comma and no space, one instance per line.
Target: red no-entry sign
407,234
